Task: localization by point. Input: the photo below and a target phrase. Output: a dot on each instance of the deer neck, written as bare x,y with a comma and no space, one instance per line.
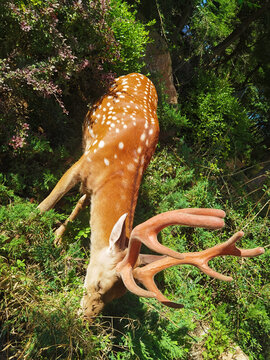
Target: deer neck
109,202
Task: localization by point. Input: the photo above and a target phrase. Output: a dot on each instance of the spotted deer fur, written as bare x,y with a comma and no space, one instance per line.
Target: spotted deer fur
120,134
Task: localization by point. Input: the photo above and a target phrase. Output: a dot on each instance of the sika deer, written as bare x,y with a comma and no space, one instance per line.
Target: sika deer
120,134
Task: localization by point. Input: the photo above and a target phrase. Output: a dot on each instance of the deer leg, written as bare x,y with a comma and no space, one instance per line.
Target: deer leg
67,181
83,201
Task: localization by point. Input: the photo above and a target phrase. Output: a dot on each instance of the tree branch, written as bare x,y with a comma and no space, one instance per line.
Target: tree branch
221,47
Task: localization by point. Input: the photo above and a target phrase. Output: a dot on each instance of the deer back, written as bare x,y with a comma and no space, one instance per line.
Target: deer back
119,138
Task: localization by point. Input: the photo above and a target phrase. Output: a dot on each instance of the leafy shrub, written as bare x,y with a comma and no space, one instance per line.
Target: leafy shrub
220,123
41,288
131,35
56,58
41,285
170,183
171,117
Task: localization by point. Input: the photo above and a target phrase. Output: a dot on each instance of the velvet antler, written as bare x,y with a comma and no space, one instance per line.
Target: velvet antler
146,233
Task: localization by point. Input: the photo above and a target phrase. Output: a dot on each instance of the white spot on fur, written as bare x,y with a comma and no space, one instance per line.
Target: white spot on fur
131,167
101,144
142,137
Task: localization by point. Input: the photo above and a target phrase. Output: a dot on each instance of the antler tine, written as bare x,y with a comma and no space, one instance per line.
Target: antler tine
130,284
145,275
199,259
226,248
229,248
128,275
146,232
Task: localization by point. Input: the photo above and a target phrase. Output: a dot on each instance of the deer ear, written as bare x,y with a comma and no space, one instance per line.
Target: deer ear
118,234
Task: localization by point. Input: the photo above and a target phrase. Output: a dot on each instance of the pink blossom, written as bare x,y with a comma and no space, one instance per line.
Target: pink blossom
25,126
84,64
17,142
24,26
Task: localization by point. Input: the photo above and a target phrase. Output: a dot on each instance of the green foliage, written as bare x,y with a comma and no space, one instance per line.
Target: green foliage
171,183
220,120
213,21
131,34
42,285
216,342
40,288
56,57
170,116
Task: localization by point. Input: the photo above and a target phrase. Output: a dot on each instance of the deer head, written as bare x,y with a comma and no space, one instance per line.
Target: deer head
120,134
